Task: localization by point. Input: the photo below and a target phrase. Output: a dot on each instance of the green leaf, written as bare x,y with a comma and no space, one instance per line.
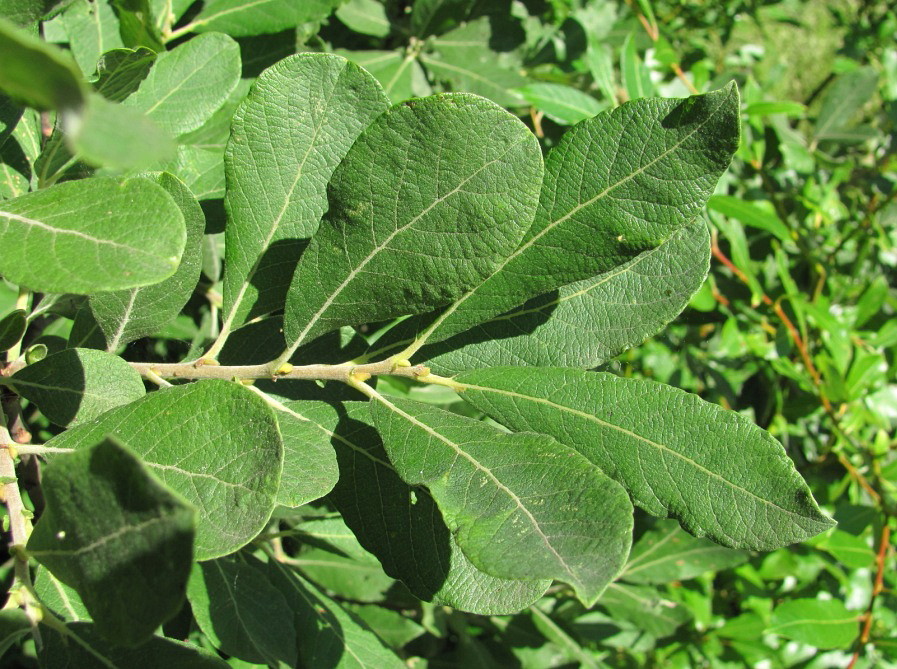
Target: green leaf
137,27
842,101
330,635
400,74
615,186
23,12
189,83
78,384
114,135
644,607
563,104
120,72
63,600
92,29
676,454
36,73
241,612
130,560
12,327
401,524
297,124
770,108
367,17
84,648
824,623
255,17
750,214
431,17
636,77
434,194
583,324
104,234
124,316
464,58
666,553
503,494
14,626
309,464
231,473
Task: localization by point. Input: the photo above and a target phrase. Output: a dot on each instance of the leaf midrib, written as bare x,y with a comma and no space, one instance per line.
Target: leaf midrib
634,435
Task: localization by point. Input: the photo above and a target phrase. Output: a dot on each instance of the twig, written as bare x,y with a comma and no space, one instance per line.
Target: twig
884,544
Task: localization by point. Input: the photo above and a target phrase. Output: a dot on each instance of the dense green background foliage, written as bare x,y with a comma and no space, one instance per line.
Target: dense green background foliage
338,534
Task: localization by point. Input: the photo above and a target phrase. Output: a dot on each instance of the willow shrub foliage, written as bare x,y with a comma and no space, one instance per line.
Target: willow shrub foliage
492,272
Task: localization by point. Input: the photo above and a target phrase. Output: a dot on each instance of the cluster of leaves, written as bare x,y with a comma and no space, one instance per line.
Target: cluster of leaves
340,203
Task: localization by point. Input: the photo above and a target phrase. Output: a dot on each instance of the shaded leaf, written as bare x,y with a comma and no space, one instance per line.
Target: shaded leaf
667,553
121,71
92,29
434,194
12,327
645,607
563,104
255,17
512,494
105,234
842,101
62,599
367,17
297,124
78,384
129,563
677,455
402,525
214,442
84,648
241,612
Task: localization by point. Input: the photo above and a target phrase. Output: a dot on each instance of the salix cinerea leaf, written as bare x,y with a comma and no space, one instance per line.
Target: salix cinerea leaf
616,185
187,84
124,316
401,524
129,560
583,324
297,124
214,442
714,470
77,385
521,494
432,196
255,17
91,235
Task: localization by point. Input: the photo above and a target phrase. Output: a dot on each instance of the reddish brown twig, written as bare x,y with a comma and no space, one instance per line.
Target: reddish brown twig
881,556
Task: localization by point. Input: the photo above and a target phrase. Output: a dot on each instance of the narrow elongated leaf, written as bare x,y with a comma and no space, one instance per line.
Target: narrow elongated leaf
582,324
615,186
12,327
129,563
187,84
36,73
402,525
90,235
667,553
124,316
824,623
512,494
84,648
677,455
78,384
330,635
750,214
214,442
563,104
645,607
92,29
842,100
430,17
434,194
255,17
241,612
297,124
365,16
